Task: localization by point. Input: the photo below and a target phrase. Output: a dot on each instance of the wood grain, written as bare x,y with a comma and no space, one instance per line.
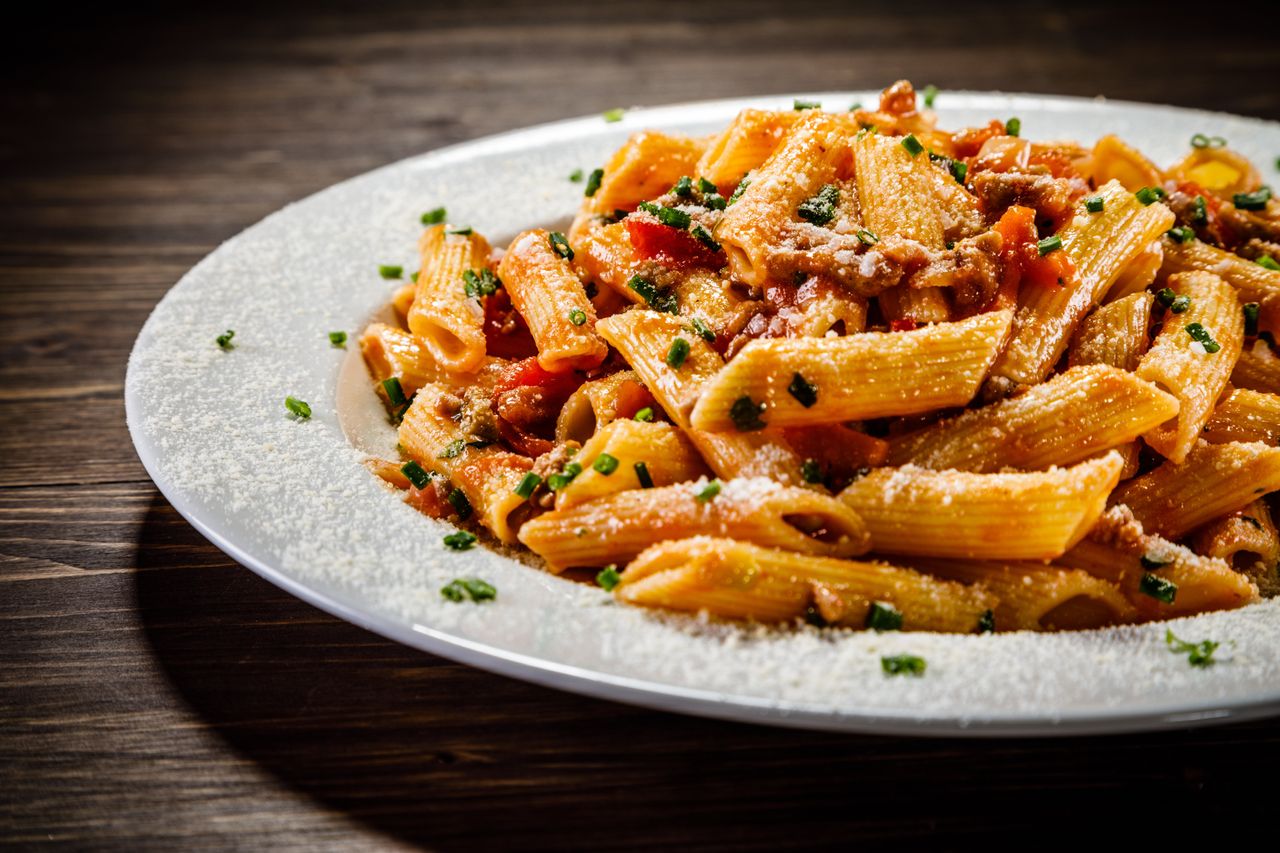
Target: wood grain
154,695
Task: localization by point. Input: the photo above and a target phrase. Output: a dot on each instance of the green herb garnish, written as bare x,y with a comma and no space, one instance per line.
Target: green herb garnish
666,215
614,115
1198,654
821,208
903,665
560,245
463,588
577,317
1256,200
810,471
1181,234
1095,204
1049,244
866,237
390,271
659,299
642,474
1199,140
527,484
702,330
593,182
1268,262
677,353
338,339
806,105
987,622
912,144
434,217
224,340
298,408
394,390
1250,319
745,414
460,504
883,616
605,464
1201,334
804,392
608,578
1161,589
704,237
576,176
644,415
478,284
452,450
416,474
930,94
1149,195
708,492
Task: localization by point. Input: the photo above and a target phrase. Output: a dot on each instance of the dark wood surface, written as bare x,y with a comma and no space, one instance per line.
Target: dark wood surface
153,694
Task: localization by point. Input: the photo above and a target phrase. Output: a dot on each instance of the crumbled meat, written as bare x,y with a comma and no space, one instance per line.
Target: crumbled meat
972,269
551,462
476,417
1050,197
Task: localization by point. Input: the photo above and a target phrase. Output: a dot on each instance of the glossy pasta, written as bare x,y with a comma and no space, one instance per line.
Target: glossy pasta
858,370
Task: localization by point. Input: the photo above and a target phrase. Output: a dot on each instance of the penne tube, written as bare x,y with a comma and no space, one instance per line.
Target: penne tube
402,301
598,402
1257,369
1120,551
644,339
609,458
487,475
1195,372
616,528
1036,597
448,321
822,306
550,298
390,352
1032,516
743,581
1114,334
866,375
603,254
1244,415
748,141
644,168
1138,274
1215,479
1253,282
712,299
1245,540
1114,159
1099,245
1076,414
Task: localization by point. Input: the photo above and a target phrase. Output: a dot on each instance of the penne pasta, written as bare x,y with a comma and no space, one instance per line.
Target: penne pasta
609,460
1032,516
1074,415
1215,479
1244,415
867,375
748,141
1192,358
616,528
1099,245
1257,369
644,168
1252,282
1246,540
1115,334
598,402
449,322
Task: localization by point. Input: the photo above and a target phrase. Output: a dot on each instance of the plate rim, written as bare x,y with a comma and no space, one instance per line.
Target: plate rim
653,694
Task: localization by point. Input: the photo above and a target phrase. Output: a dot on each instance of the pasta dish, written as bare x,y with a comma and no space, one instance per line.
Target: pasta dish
853,369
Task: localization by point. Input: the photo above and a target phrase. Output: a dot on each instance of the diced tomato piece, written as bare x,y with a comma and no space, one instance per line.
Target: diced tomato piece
1020,253
528,372
527,400
505,333
431,500
969,141
906,324
653,240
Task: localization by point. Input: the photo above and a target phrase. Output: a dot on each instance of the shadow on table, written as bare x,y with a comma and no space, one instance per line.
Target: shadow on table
443,755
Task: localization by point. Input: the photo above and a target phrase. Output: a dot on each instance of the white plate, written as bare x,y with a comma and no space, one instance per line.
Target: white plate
292,501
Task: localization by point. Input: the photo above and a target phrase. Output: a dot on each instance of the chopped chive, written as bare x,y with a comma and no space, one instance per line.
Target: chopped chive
473,588
460,503
866,237
608,578
903,665
560,245
298,408
576,176
810,471
416,474
1149,195
987,622
706,187
1268,262
1199,213
714,201
463,231
577,317
593,182
804,392
821,208
1094,204
745,414
683,187
483,283
614,114
644,415
883,616
434,217
912,144
413,276
1049,244
677,353
527,484
958,170
1161,589
1013,126
1180,304
704,237
1201,334
453,449
338,339
1165,296
394,390
708,492
702,330
655,297
667,215
1250,310
224,340
1152,561
1198,654
1181,234
1256,200
741,188
390,271
1199,140
930,95
799,104
605,464
556,482
642,474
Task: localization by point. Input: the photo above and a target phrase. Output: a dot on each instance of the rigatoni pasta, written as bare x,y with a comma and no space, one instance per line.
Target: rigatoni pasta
864,372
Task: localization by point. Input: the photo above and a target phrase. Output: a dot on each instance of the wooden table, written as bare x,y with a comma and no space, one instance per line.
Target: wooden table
155,694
